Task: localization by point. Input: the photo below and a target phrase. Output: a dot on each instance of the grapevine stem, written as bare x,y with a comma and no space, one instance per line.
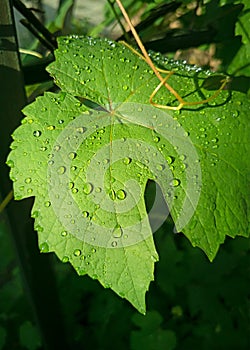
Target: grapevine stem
6,201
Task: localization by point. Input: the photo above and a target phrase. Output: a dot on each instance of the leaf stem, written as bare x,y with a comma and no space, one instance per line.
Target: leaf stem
146,56
6,201
126,36
30,52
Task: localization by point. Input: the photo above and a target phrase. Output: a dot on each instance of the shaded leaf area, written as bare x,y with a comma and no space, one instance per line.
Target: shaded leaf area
88,168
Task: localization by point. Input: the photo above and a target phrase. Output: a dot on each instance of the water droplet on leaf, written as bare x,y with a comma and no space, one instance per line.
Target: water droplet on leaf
77,252
81,130
71,185
127,160
44,247
37,133
61,170
117,232
120,194
65,259
35,214
169,159
112,195
10,163
87,188
57,148
72,155
160,167
175,182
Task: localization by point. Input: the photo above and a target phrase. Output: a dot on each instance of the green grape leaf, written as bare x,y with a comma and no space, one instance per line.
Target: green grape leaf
87,153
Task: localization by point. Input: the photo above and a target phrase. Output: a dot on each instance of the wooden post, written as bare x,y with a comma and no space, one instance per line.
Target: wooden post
38,277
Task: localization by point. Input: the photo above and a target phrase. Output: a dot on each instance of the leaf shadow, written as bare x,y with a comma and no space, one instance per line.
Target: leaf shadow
239,84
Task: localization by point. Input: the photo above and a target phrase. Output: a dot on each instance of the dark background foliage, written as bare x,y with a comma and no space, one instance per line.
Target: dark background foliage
192,304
